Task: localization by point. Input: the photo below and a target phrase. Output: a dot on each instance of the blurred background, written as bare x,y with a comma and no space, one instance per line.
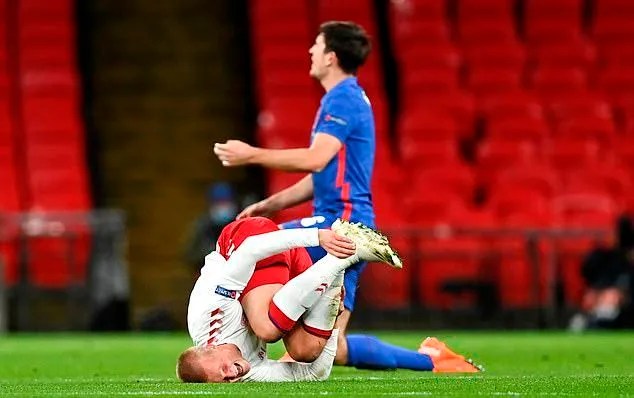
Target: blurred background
505,156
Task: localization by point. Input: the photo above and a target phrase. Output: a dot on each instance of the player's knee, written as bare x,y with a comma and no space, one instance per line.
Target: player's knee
266,331
307,352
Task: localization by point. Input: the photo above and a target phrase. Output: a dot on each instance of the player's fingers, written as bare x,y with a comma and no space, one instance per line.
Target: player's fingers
342,238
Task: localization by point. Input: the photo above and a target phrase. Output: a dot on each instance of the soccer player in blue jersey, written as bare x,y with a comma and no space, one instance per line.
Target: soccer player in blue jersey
339,164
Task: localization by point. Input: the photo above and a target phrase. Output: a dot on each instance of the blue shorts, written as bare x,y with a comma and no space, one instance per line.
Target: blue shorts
352,275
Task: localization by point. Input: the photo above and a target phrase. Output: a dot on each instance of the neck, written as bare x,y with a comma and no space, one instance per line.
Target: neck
333,78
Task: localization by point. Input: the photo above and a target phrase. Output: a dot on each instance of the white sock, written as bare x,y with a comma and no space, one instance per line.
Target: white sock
302,292
320,319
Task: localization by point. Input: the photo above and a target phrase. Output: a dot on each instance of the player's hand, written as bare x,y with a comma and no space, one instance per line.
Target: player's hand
337,245
260,208
234,152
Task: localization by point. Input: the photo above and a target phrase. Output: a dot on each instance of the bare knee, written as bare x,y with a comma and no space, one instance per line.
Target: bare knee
307,352
266,331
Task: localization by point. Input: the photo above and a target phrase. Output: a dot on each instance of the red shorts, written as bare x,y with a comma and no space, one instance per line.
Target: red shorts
279,269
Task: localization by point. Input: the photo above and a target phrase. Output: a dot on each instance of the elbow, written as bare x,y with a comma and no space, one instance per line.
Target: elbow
316,165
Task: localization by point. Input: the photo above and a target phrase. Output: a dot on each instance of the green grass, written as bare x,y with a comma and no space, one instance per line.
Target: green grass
517,364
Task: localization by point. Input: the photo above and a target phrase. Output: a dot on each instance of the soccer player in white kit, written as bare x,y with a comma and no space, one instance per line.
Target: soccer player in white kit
230,330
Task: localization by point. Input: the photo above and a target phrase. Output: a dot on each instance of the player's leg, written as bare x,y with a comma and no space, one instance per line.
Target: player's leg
368,352
307,340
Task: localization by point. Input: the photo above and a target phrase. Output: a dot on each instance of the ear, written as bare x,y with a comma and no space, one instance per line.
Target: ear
331,58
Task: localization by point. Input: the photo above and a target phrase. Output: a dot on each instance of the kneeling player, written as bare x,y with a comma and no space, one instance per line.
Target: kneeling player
253,290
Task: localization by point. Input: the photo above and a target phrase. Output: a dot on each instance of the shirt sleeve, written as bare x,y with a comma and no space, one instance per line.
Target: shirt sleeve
276,371
335,119
258,247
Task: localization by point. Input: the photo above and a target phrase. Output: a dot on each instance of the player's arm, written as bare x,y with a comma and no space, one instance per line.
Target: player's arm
297,193
258,247
313,159
318,370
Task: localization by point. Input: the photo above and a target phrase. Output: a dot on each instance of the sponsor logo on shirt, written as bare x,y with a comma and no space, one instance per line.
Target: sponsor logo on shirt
232,294
331,118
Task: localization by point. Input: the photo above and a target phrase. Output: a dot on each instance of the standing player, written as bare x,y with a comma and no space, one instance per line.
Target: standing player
339,161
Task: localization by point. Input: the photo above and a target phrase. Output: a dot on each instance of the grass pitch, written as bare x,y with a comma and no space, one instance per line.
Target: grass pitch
517,364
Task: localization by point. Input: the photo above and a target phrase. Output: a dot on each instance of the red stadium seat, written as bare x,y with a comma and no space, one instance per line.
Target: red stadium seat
557,82
601,130
576,106
509,202
469,10
614,180
553,21
460,105
444,260
430,154
455,178
617,82
495,155
417,126
422,209
568,154
430,80
286,122
10,192
413,21
537,178
486,82
568,54
509,55
514,104
483,32
518,129
624,149
46,193
617,54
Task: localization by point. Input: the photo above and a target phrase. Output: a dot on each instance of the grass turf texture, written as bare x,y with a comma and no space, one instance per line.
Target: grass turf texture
517,364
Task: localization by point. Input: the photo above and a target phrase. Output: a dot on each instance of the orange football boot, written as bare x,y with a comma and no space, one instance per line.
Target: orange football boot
445,360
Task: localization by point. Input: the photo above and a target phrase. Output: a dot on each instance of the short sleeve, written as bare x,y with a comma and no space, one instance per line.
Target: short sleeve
237,232
335,118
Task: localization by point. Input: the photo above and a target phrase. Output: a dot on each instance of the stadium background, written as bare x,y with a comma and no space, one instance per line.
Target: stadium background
505,130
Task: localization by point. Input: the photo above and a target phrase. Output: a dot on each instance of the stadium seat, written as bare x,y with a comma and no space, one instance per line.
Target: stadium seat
575,106
456,178
553,21
568,154
574,53
601,130
510,202
449,259
59,190
495,155
509,55
616,82
556,82
430,154
487,81
618,54
614,180
418,21
426,81
460,105
514,104
537,178
286,122
10,193
530,129
487,32
417,126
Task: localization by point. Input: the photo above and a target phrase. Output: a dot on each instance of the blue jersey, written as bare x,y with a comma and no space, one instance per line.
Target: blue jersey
342,189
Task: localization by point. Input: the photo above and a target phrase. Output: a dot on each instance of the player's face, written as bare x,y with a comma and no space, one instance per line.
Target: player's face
224,364
320,59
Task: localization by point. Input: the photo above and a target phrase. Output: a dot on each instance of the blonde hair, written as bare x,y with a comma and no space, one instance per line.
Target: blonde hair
188,368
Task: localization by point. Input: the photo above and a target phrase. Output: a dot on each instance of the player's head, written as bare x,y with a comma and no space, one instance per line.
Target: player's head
220,364
342,45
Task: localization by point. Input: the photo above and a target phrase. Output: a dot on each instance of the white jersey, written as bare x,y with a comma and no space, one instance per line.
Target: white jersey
215,316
